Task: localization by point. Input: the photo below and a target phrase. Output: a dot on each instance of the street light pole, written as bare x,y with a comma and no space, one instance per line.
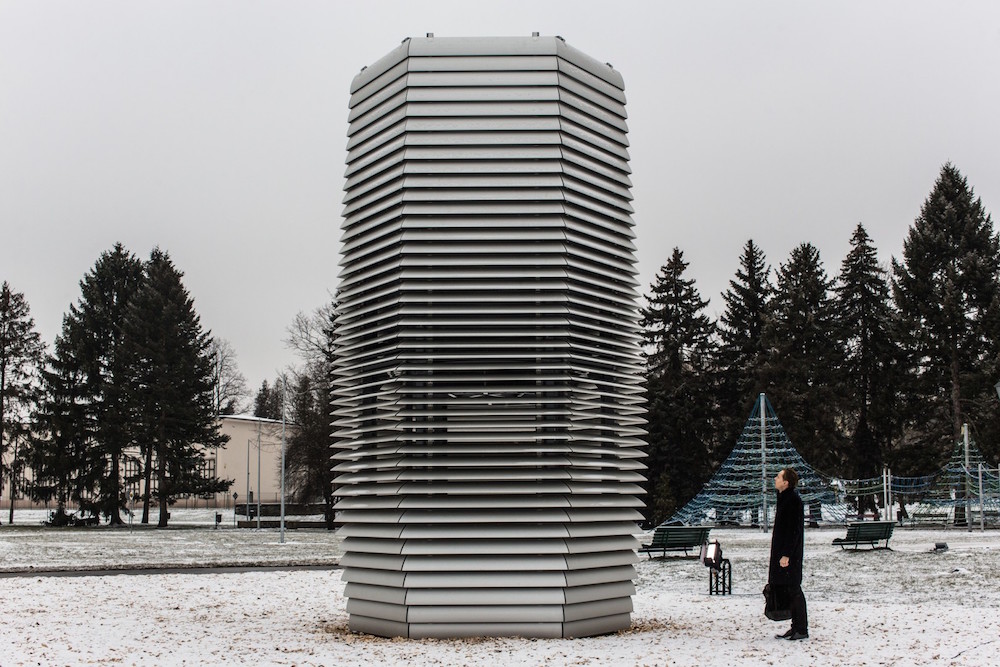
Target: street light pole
246,500
284,386
258,473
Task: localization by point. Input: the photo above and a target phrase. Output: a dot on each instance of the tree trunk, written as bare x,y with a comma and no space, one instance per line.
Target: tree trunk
161,480
147,474
114,516
3,396
161,476
956,424
328,507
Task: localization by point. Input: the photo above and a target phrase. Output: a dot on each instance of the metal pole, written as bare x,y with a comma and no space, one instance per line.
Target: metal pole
888,494
284,386
246,499
982,504
258,473
885,492
763,464
968,517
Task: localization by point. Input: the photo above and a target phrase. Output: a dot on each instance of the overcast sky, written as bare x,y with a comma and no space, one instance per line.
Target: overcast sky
216,130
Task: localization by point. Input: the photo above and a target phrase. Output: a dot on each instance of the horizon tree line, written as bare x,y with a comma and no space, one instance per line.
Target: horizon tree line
874,366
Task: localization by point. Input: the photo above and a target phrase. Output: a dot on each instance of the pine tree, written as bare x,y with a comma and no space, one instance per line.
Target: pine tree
21,351
740,356
803,359
865,321
168,354
680,339
267,402
94,338
307,457
64,430
947,291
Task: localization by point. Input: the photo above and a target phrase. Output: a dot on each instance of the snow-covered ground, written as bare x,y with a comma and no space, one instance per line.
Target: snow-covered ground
909,606
189,540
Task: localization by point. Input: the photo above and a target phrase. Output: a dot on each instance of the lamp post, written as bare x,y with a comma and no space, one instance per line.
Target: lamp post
258,474
284,385
248,496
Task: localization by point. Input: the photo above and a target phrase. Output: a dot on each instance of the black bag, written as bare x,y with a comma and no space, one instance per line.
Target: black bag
777,602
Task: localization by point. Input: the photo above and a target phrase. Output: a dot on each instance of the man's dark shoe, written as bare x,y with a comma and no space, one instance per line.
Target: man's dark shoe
786,635
798,635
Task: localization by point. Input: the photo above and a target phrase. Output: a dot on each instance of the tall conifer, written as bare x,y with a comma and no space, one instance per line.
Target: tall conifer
93,339
679,338
865,330
172,382
947,291
21,351
803,359
740,355
64,432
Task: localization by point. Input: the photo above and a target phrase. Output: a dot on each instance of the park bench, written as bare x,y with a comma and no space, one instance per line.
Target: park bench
928,518
869,533
676,538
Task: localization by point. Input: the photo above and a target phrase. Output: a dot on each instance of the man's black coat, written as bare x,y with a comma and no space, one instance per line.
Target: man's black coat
786,540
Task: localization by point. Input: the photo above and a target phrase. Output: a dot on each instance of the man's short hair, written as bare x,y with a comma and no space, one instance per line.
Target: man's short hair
791,477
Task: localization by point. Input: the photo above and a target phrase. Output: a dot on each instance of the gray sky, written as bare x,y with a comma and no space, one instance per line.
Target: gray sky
216,130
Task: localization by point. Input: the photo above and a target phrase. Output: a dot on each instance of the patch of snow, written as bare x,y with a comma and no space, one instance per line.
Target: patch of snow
903,607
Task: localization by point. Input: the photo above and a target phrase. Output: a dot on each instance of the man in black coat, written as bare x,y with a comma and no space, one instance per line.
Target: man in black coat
785,570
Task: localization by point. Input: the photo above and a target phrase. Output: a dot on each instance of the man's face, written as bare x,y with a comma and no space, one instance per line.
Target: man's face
779,481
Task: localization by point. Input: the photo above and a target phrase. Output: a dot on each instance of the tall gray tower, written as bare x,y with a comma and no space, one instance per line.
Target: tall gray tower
488,396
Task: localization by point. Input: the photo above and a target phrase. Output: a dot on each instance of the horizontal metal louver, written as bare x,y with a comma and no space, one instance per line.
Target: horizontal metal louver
488,401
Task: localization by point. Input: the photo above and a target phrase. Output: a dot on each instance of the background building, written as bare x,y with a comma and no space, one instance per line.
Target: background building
239,458
488,398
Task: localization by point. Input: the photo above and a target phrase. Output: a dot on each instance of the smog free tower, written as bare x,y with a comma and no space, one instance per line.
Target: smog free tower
488,402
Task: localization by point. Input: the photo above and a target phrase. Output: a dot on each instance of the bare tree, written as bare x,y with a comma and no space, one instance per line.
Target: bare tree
309,336
229,391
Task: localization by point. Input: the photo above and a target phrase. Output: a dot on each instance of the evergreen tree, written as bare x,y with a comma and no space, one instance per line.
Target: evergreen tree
63,432
804,361
267,402
21,351
740,356
171,368
679,337
947,293
307,457
94,328
865,321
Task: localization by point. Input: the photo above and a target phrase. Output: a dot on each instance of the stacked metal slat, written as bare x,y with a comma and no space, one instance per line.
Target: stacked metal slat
488,402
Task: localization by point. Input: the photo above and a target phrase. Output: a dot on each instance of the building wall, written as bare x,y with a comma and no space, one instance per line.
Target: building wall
232,460
489,395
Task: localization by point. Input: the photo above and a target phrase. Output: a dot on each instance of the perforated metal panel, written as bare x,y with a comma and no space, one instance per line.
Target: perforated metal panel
488,402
